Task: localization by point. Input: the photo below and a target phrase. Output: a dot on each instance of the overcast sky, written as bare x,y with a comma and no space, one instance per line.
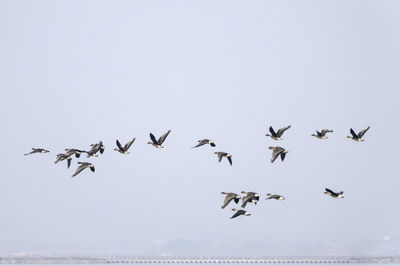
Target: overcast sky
76,72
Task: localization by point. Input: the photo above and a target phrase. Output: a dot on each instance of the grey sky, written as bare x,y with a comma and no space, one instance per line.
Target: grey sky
75,72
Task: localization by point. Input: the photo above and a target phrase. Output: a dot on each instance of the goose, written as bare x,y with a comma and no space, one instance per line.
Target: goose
62,157
70,152
98,147
124,150
37,150
321,135
158,143
229,197
82,166
239,212
276,151
204,141
252,197
275,196
222,154
277,135
337,195
358,137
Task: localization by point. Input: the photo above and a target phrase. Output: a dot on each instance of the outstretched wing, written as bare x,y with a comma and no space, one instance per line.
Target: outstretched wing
324,131
153,139
330,191
272,131
238,213
229,159
228,199
280,131
353,133
283,156
362,132
80,169
119,146
201,143
163,137
128,145
275,154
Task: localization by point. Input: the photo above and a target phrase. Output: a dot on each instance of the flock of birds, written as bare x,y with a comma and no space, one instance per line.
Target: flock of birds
249,197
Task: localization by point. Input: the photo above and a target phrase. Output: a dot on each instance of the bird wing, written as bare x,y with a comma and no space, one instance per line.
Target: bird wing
272,131
163,137
229,159
153,139
220,155
353,133
236,200
283,156
324,131
238,213
212,144
275,154
245,200
80,169
362,132
201,143
228,199
280,131
69,162
330,191
119,146
128,145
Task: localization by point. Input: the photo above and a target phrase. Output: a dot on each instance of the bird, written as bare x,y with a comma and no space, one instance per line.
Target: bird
37,150
276,151
277,135
124,150
337,195
82,166
98,147
62,157
158,143
205,141
275,196
322,134
222,154
70,152
229,197
357,137
239,212
252,197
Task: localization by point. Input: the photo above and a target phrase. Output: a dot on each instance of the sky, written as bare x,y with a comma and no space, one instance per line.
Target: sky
76,72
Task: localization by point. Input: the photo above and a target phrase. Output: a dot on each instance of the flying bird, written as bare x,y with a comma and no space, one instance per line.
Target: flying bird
222,154
277,135
275,196
357,137
158,143
252,197
62,157
276,151
229,197
203,142
337,195
322,134
239,212
98,147
124,150
37,150
82,166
